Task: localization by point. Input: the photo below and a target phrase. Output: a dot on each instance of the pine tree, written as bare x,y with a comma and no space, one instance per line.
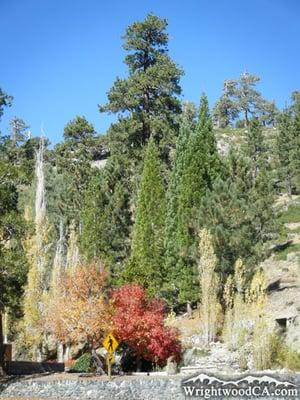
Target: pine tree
197,165
73,158
106,217
238,210
295,155
241,96
177,281
225,109
147,99
261,195
5,101
285,142
146,261
147,105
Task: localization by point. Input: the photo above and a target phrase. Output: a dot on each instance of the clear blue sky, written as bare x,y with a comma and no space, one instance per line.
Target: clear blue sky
58,58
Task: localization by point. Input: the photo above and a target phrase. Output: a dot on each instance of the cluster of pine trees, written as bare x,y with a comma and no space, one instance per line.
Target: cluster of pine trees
162,180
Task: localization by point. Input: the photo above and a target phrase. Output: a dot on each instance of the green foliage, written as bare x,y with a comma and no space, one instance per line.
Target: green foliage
285,146
72,160
12,229
146,261
147,105
241,96
292,248
196,167
199,352
120,212
106,216
148,97
5,101
225,110
83,363
238,209
18,130
292,214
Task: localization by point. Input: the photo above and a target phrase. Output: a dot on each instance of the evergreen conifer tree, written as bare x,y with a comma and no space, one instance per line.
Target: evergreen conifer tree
106,217
147,99
197,165
285,142
146,261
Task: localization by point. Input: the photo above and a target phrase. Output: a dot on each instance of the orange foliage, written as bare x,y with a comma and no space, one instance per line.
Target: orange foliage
80,311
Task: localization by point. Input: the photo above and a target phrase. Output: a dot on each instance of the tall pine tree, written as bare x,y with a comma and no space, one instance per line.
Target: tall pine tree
196,167
146,261
147,104
147,100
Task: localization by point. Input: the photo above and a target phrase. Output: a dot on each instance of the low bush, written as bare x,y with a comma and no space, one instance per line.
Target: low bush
290,359
291,215
83,364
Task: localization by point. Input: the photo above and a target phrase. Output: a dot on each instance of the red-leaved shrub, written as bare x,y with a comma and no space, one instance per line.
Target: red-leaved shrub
139,322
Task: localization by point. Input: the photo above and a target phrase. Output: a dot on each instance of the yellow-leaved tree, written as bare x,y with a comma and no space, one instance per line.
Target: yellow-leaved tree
38,253
262,330
210,308
80,313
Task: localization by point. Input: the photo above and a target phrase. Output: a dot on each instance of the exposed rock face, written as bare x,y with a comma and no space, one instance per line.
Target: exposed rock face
283,308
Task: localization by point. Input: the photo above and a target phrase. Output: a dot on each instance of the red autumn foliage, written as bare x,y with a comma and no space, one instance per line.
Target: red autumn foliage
139,322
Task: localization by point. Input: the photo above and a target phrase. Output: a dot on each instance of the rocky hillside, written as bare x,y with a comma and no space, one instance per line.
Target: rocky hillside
282,271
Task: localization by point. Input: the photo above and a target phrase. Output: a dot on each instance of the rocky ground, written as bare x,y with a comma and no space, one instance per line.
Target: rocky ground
130,388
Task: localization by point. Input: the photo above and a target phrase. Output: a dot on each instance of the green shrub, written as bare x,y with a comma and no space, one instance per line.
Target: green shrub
83,364
200,352
291,215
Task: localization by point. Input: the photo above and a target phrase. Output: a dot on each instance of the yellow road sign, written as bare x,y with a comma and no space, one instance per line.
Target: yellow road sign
110,358
110,343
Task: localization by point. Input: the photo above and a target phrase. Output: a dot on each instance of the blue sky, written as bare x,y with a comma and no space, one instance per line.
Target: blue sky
58,58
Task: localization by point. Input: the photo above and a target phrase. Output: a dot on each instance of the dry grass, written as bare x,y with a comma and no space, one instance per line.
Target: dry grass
187,326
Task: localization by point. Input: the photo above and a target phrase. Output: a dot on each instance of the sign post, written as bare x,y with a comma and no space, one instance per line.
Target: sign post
111,344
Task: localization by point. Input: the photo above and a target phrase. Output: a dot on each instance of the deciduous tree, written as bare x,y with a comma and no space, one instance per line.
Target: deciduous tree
80,313
139,322
210,308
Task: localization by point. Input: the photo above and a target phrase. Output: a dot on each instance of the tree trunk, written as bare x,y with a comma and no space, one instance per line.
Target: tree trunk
38,353
138,363
246,119
5,338
66,356
289,187
1,348
189,309
99,364
60,353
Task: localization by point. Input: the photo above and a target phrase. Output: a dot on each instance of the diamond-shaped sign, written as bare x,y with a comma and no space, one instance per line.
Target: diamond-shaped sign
110,343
